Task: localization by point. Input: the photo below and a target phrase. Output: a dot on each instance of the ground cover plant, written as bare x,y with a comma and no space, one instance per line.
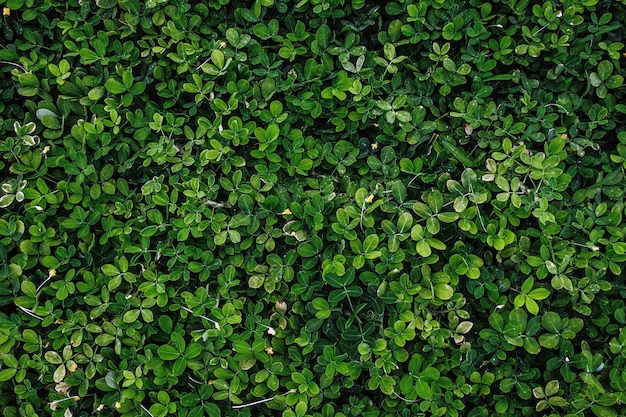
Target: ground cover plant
312,208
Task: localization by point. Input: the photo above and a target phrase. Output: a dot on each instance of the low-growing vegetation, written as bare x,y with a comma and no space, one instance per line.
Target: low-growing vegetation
312,208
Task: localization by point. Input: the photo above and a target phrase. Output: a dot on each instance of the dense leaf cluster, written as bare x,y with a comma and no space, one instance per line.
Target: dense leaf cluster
312,208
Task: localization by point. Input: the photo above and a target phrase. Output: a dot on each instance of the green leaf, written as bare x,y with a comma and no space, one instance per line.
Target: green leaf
166,324
28,79
358,261
605,68
72,223
614,81
114,86
301,409
354,291
193,350
551,321
59,373
306,250
608,399
507,385
104,339
552,388
10,361
314,324
370,243
147,315
179,366
422,210
256,281
464,327
335,280
30,336
524,391
601,411
423,389
435,201
528,285
110,270
387,384
6,200
390,51
448,217
539,294
595,79
320,304
305,164
393,9
550,341
15,4
150,231
217,57
405,221
423,248
531,346
28,288
532,306
51,121
443,291
131,316
398,190
50,262
7,374
53,357
383,105
322,36
436,243
168,353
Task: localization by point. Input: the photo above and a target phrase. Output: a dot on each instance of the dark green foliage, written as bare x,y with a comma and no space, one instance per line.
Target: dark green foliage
312,208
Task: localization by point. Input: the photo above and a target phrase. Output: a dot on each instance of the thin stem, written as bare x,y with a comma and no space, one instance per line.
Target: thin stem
404,399
216,324
51,275
193,380
412,179
261,401
30,313
215,204
593,248
146,410
361,216
205,61
55,402
559,106
14,64
270,329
